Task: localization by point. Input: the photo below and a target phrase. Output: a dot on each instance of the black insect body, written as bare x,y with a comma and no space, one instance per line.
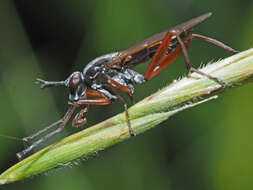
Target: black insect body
97,73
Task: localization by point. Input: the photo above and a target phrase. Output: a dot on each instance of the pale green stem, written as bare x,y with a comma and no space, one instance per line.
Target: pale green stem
179,95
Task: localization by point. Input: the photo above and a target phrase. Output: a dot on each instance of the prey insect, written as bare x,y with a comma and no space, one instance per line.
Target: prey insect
102,79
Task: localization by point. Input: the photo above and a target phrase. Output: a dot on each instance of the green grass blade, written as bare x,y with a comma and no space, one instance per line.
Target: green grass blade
180,95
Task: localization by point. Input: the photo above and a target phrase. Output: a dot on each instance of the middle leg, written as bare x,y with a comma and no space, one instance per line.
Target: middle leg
114,84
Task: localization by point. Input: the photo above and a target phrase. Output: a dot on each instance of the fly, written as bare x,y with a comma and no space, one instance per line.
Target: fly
101,80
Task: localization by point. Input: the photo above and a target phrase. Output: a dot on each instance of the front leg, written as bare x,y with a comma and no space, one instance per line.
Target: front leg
62,123
94,102
99,100
80,119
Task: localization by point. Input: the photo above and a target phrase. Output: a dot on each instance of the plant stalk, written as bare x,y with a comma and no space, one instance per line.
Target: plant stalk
146,114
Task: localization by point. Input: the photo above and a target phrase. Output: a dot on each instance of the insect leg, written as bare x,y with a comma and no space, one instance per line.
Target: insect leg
96,102
215,42
65,120
114,84
159,54
93,94
80,119
84,103
191,69
123,88
26,139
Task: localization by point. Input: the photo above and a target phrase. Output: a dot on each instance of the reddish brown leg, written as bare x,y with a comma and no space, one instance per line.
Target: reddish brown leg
191,69
125,89
170,58
114,84
93,94
99,100
160,53
215,42
80,119
104,101
162,59
95,102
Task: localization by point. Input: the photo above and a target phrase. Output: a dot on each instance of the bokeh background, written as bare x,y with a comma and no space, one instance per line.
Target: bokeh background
206,147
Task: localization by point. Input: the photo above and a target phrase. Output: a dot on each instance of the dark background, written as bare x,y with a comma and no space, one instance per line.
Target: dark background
205,147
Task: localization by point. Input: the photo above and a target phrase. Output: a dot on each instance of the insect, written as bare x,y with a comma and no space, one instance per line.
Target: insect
102,79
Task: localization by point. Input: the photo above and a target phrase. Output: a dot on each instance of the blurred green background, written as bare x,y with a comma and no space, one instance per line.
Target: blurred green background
205,147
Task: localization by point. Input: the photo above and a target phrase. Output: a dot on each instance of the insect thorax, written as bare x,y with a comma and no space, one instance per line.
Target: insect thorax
98,71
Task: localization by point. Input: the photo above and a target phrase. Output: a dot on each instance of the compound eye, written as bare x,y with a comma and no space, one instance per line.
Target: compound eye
75,80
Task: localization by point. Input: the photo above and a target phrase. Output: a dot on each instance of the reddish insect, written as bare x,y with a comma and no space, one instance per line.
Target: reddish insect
103,77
